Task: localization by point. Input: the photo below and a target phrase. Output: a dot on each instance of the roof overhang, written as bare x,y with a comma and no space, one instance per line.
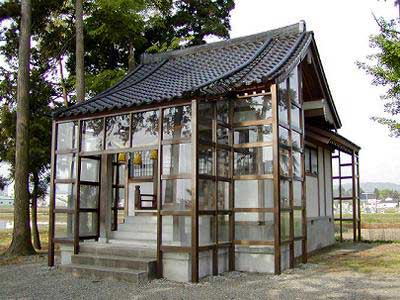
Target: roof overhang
319,108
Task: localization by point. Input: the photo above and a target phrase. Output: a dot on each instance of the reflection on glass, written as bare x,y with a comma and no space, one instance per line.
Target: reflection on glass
257,193
65,166
296,140
89,196
177,122
177,159
205,130
67,135
223,228
205,160
223,111
64,226
295,117
176,194
64,195
142,164
145,128
254,226
223,195
285,194
283,103
222,135
297,193
223,163
206,194
294,86
285,226
117,132
296,164
92,135
87,223
284,136
252,108
298,223
90,169
176,230
253,134
253,161
206,230
284,162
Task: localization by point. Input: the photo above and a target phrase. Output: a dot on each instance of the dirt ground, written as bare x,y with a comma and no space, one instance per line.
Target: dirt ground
346,271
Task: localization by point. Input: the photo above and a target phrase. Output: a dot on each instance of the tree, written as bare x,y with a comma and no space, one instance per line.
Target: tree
21,243
80,68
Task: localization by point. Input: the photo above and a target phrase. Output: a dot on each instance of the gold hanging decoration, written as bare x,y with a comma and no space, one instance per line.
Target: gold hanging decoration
153,154
137,159
122,157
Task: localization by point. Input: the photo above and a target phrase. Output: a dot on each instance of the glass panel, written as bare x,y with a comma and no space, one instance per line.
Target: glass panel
67,136
223,195
65,166
145,128
205,160
177,194
253,161
294,86
254,194
254,226
296,140
253,134
335,167
89,196
206,194
177,122
205,130
87,223
223,163
121,173
205,109
64,195
283,103
223,135
296,164
297,193
142,163
284,136
223,228
92,135
177,159
117,132
223,111
206,230
252,108
298,223
90,169
64,226
285,226
284,162
285,194
121,197
144,188
314,161
295,117
176,230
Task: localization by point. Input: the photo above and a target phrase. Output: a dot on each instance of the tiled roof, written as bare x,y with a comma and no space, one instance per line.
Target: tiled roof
210,69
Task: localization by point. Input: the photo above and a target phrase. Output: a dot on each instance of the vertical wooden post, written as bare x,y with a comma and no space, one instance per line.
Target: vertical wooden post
353,181
195,204
215,192
340,197
77,190
52,195
159,217
358,199
231,191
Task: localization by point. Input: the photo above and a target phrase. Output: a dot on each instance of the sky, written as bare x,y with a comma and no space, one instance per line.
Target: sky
342,29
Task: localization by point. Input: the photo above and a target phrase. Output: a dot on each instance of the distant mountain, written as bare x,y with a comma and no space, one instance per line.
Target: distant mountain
371,186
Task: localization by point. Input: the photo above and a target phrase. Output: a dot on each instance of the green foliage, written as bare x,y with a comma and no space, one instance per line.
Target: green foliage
384,66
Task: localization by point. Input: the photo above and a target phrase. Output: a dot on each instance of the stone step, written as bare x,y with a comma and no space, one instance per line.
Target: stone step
141,220
145,244
138,227
99,272
143,264
133,235
144,249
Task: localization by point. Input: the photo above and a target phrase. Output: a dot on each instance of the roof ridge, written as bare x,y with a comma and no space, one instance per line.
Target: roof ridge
147,58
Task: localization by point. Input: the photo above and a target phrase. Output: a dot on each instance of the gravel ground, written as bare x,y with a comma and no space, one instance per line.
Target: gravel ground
32,279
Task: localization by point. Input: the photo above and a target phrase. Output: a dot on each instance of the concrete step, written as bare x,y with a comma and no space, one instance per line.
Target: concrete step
138,227
99,272
141,220
133,235
143,264
132,249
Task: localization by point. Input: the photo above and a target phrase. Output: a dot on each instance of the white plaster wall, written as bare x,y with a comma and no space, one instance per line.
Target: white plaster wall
321,175
311,196
328,183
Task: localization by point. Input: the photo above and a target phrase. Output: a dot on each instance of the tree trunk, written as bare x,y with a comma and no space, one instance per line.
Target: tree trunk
35,229
79,64
64,89
21,242
131,58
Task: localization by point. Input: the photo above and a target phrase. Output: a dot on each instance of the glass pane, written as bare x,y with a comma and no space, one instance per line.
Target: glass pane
145,128
65,166
223,111
254,194
295,117
206,195
298,223
205,109
92,135
90,169
254,226
64,195
223,163
89,196
223,135
205,160
223,195
252,108
253,134
177,122
253,161
176,230
205,130
120,193
294,86
144,188
142,163
296,140
285,203
285,226
64,226
177,159
284,162
177,194
117,132
67,134
297,164
121,173
297,193
223,228
206,230
284,136
283,103
314,161
87,223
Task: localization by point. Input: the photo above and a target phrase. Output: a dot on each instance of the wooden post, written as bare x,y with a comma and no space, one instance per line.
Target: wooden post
52,196
105,196
195,204
137,197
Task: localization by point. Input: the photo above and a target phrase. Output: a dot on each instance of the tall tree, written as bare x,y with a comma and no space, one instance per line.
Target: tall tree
21,243
80,66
